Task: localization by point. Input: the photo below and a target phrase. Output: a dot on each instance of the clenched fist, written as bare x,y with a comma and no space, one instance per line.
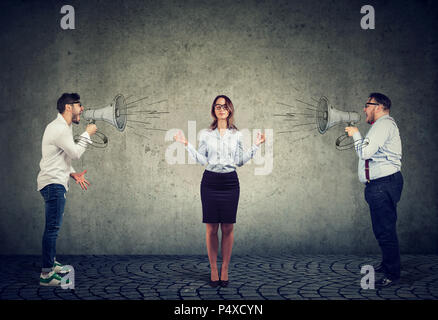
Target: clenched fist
351,130
91,129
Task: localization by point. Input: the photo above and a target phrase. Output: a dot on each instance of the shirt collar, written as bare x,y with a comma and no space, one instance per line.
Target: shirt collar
61,118
384,116
219,134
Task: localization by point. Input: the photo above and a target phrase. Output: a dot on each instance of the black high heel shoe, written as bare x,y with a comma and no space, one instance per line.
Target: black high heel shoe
214,284
224,283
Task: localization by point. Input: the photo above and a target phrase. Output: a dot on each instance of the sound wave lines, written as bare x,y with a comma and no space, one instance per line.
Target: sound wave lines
141,120
302,120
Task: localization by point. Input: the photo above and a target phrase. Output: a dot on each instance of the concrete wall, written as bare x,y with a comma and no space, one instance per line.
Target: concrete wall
186,52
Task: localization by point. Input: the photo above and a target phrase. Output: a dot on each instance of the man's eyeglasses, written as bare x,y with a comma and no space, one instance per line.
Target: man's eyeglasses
73,103
218,107
371,104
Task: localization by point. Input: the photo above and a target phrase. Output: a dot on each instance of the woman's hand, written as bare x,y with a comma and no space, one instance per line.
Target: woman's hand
260,139
179,137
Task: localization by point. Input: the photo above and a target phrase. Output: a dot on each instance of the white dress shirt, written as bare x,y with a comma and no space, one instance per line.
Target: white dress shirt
382,146
58,150
221,153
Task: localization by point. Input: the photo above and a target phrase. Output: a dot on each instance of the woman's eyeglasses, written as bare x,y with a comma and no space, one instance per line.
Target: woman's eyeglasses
218,107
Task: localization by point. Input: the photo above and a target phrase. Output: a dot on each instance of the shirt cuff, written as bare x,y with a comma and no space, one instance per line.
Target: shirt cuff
87,136
357,136
188,146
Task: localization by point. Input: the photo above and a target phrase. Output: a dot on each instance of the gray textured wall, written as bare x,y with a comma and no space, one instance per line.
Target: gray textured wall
257,52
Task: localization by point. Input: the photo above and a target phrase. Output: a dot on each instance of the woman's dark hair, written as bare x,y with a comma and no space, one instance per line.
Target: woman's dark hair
66,98
382,99
230,119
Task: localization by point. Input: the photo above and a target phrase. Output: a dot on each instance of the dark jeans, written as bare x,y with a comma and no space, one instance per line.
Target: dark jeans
382,196
54,197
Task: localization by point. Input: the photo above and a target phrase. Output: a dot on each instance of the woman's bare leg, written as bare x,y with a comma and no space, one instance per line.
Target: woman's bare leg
227,246
212,248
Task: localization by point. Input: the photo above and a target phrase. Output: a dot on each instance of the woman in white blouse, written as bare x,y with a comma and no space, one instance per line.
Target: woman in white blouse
221,150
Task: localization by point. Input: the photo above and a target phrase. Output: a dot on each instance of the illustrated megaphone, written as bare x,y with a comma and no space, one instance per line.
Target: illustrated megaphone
328,116
114,113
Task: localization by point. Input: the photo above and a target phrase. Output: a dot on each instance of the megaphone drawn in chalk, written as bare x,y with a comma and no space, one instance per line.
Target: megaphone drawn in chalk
114,114
328,116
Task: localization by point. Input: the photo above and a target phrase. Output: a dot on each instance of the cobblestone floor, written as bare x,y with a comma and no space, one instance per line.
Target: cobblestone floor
294,277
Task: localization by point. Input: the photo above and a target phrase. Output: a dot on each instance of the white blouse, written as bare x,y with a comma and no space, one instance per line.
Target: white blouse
221,153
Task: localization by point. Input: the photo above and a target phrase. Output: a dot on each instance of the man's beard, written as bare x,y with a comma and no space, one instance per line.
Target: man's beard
75,120
371,119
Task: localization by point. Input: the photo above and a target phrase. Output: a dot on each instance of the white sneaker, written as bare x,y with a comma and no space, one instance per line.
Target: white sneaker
51,279
60,269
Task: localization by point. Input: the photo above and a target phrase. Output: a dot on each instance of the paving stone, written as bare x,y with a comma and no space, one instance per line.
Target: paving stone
191,298
294,277
311,295
253,298
170,297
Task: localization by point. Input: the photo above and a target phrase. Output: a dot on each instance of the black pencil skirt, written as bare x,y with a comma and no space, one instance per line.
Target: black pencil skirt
220,197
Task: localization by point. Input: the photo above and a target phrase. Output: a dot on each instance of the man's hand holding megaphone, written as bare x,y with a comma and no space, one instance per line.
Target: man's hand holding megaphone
91,129
351,131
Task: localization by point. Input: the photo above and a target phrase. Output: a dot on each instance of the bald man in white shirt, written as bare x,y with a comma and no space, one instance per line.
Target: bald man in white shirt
58,151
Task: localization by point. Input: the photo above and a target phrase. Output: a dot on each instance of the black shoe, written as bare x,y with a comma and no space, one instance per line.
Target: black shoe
385,282
379,269
224,283
214,284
